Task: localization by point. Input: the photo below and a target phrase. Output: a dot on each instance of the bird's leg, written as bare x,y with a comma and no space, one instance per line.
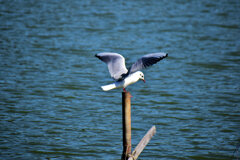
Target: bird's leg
124,90
131,95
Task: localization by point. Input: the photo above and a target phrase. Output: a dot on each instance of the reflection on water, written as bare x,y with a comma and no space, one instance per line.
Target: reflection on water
51,103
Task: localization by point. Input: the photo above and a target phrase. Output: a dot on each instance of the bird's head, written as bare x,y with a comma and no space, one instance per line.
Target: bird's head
141,76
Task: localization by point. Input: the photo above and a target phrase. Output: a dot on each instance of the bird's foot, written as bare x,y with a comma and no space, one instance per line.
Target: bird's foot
131,95
124,90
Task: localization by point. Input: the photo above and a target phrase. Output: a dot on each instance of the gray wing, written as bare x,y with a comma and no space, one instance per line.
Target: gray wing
115,63
146,61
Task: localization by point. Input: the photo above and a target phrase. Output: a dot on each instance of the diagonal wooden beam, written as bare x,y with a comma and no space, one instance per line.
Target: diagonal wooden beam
142,144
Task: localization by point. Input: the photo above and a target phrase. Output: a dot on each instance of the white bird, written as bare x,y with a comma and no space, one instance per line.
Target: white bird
123,76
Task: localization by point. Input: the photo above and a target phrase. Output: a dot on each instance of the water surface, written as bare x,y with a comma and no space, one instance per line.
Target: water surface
51,104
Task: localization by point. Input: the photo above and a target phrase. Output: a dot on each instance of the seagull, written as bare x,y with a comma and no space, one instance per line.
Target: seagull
124,77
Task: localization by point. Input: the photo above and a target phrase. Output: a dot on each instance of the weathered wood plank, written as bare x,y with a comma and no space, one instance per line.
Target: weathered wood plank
142,144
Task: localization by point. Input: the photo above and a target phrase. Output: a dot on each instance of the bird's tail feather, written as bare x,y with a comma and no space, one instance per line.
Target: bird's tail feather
109,87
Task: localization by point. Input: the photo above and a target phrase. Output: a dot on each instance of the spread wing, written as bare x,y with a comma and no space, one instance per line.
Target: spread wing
115,63
146,61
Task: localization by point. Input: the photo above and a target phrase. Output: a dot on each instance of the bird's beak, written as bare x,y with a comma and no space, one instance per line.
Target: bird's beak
144,80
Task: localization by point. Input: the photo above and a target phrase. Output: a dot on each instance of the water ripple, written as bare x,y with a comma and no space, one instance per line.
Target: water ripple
51,103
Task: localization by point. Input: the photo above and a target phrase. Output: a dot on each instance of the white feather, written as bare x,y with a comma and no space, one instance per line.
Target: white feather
132,78
109,87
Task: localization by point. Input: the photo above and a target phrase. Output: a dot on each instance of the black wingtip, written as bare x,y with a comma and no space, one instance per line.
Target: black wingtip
96,55
166,55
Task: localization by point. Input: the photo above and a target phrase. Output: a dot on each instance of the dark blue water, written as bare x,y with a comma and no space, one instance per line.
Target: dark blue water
51,103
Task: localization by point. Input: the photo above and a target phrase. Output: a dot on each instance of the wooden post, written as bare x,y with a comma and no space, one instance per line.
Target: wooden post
126,123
